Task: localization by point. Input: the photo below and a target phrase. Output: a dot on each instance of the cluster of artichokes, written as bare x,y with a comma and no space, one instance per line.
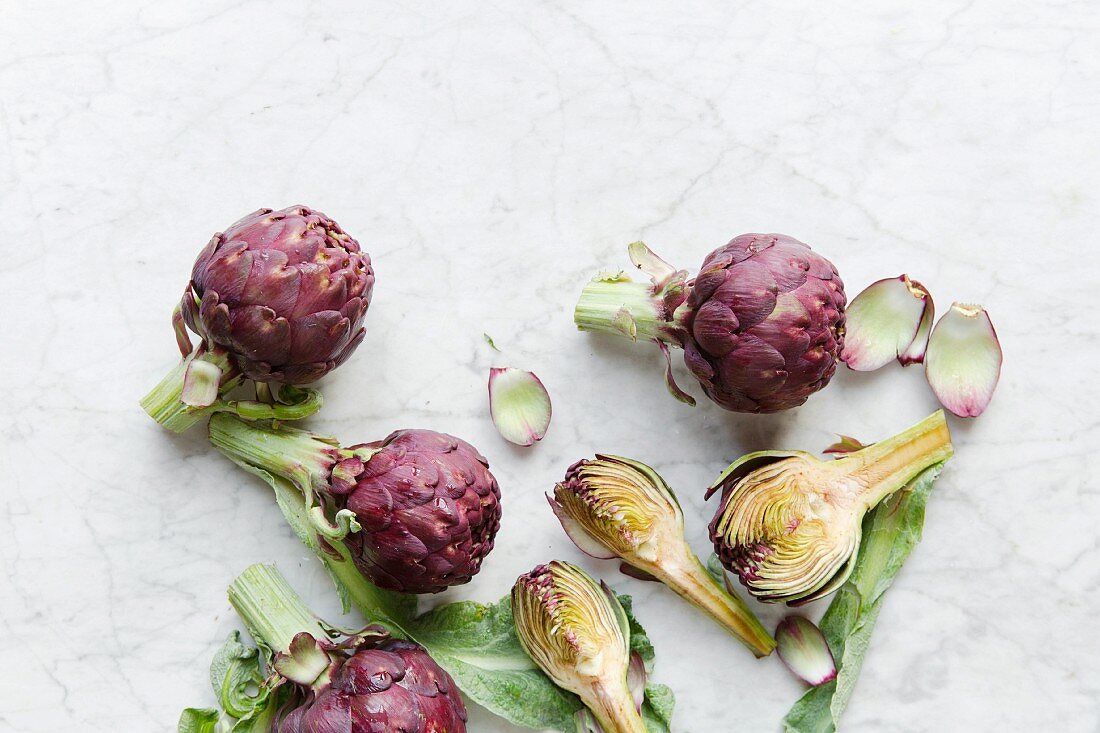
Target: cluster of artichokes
278,300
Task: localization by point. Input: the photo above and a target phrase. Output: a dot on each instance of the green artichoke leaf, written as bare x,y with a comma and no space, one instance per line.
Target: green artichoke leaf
890,532
476,643
198,720
235,668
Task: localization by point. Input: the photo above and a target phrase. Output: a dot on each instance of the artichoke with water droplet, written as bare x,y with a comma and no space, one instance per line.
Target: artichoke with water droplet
761,325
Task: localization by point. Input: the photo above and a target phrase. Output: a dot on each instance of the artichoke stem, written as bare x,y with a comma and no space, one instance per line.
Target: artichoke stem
270,609
296,455
883,468
615,712
691,581
626,308
164,402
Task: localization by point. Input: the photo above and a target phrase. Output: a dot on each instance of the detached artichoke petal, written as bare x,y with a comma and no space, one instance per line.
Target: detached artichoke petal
804,651
519,405
890,319
964,359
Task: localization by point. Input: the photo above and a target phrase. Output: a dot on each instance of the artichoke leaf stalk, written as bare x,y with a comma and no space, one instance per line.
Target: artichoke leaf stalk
577,632
761,325
352,681
618,507
418,510
278,298
789,524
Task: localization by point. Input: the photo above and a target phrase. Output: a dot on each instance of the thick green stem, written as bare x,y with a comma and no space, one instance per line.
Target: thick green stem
692,582
296,455
881,469
377,606
165,404
270,609
614,709
623,307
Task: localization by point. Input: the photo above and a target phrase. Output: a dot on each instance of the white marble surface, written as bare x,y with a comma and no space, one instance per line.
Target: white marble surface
490,157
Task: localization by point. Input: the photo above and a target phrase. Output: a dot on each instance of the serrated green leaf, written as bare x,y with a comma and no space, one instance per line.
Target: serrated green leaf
476,643
236,668
890,532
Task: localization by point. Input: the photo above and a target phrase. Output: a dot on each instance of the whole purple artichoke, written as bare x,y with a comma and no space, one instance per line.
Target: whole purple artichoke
393,688
285,292
761,325
426,508
279,298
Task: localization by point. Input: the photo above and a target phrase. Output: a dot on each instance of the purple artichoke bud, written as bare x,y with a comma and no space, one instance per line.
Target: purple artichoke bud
394,686
418,510
279,297
761,325
428,507
284,292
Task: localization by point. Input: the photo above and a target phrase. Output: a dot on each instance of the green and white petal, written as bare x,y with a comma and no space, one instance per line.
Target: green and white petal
803,648
519,405
889,320
964,359
915,353
201,383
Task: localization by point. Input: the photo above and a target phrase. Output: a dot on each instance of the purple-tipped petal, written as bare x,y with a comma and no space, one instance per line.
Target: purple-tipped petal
201,381
637,573
804,651
636,677
964,359
519,405
670,381
915,353
846,444
889,320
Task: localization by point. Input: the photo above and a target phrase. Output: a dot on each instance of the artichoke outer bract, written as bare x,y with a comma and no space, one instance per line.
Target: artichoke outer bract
576,631
279,297
890,319
964,360
419,510
761,325
519,405
804,651
618,507
789,524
